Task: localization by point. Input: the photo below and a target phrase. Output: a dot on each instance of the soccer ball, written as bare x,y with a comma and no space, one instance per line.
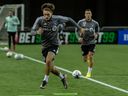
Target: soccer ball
18,56
76,74
5,49
21,56
9,54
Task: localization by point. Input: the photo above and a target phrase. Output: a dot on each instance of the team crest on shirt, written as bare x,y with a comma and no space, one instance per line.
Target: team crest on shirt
54,28
91,29
45,24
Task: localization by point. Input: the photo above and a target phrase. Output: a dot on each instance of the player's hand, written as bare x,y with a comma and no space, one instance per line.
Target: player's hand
40,31
82,30
95,35
80,40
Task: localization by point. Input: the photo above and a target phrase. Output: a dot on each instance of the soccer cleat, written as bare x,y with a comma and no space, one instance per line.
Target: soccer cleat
43,85
64,81
88,75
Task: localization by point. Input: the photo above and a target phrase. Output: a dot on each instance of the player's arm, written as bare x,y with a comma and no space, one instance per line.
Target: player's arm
68,19
74,23
80,32
37,29
97,29
64,19
16,21
5,23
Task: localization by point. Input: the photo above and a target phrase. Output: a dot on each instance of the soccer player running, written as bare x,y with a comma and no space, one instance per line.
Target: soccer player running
11,24
47,27
88,39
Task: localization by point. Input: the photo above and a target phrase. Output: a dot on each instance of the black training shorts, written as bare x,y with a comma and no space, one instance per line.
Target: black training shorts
87,48
53,48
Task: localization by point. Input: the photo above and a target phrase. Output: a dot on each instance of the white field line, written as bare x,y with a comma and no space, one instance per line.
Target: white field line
65,70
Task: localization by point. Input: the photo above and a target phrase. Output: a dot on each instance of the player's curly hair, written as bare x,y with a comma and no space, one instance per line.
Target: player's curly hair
48,6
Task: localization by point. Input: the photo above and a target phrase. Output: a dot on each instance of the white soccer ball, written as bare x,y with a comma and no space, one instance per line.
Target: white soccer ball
6,49
76,74
22,56
9,54
18,56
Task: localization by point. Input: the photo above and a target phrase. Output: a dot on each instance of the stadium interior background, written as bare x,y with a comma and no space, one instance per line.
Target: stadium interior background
111,15
110,72
106,12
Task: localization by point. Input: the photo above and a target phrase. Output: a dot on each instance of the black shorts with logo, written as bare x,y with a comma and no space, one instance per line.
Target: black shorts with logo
86,48
53,48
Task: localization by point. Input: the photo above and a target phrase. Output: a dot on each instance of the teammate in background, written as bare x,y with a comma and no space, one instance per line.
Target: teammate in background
47,26
88,39
11,23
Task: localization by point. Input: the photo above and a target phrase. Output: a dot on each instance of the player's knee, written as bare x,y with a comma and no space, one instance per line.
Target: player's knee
48,62
90,55
85,59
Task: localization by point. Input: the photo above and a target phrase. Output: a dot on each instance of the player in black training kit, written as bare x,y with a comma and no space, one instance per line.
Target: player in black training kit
47,27
88,39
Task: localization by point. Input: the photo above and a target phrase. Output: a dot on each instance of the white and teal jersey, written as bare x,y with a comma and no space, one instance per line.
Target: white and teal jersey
11,23
90,27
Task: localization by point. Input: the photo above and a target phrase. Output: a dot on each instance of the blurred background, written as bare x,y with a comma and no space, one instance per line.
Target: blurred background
112,15
106,12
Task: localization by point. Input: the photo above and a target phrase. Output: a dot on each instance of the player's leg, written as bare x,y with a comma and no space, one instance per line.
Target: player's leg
84,49
52,51
60,75
9,40
56,72
90,64
85,58
49,58
13,40
85,52
90,60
